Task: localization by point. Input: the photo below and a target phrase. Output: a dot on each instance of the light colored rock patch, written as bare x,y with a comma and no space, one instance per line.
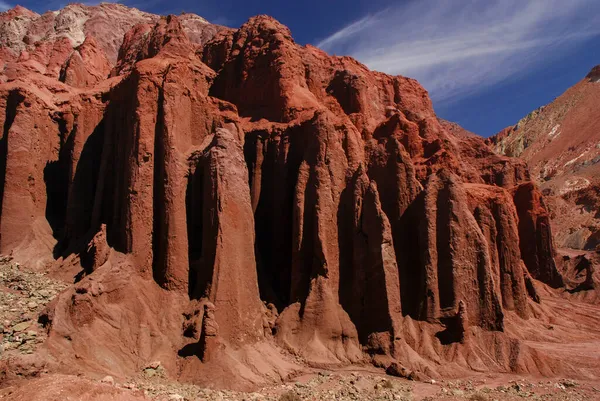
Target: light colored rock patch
69,23
13,31
555,133
570,162
574,184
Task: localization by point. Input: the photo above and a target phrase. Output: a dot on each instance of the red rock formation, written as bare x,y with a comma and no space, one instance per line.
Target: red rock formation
86,66
53,43
454,256
536,241
371,285
200,180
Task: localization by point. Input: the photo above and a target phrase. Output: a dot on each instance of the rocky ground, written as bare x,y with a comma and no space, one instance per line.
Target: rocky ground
365,385
341,385
24,293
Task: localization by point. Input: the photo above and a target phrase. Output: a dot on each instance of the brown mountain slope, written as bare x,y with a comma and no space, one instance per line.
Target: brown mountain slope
248,207
561,144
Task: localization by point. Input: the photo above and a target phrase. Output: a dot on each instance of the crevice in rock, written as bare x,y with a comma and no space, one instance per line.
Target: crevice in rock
346,234
273,163
491,315
118,175
202,213
57,177
452,331
407,248
308,259
12,102
198,277
512,290
445,268
391,168
343,87
160,219
82,192
364,241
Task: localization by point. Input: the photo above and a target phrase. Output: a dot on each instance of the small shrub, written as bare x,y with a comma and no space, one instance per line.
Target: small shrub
387,384
290,396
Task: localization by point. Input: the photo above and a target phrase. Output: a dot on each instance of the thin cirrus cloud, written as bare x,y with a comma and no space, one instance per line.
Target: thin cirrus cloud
4,6
458,48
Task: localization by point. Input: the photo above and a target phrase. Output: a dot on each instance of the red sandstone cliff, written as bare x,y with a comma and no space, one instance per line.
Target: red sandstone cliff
228,197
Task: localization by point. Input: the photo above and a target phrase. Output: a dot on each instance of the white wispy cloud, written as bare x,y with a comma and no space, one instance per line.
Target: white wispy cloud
223,20
5,6
455,48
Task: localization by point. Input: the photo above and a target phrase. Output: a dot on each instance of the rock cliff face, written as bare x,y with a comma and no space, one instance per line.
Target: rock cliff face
230,201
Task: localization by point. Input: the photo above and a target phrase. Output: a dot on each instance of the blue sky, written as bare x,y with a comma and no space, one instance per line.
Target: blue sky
486,63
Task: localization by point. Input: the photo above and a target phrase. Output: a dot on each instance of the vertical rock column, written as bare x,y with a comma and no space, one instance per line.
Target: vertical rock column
154,119
173,139
369,282
316,325
535,235
28,146
455,256
391,168
226,272
496,216
125,189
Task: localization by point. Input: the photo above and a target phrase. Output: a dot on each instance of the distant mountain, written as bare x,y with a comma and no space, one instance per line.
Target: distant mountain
561,144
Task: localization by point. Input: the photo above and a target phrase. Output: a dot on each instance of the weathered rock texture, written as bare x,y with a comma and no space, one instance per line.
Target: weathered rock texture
204,181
